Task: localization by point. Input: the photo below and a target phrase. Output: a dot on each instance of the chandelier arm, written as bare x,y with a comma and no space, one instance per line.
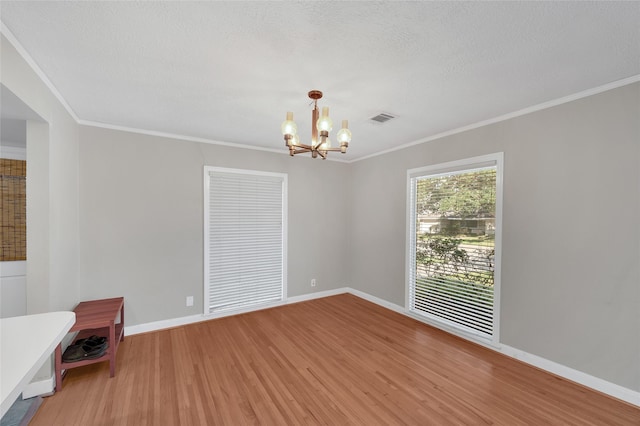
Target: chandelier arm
301,145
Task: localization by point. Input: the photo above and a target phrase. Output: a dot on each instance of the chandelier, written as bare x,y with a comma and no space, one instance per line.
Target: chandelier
320,128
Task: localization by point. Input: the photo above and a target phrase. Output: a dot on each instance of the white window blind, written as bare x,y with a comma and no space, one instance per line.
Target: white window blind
245,238
453,241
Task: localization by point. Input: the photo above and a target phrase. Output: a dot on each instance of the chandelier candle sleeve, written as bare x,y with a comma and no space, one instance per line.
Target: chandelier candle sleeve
344,136
289,129
325,124
320,128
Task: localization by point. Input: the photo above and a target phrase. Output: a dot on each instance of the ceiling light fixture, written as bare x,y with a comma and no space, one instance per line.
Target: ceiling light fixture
320,128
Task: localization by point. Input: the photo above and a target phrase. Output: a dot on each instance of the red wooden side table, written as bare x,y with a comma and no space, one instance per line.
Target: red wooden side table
95,317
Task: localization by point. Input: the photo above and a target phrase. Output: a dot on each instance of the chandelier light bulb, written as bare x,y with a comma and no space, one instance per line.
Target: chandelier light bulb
289,126
324,122
326,144
344,134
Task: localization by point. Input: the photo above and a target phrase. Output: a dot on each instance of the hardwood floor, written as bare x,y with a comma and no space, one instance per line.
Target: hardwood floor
335,361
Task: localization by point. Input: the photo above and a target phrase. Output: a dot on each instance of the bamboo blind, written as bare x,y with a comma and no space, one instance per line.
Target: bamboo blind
13,210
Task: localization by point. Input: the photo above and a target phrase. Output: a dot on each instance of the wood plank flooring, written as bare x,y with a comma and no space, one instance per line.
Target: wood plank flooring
334,361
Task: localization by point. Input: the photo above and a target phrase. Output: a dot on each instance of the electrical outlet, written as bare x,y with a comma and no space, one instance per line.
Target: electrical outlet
313,282
189,300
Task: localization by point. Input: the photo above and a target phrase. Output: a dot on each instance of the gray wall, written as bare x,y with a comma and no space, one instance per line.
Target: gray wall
141,219
571,234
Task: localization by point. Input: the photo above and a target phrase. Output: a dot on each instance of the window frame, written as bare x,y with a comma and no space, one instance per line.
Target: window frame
464,165
206,239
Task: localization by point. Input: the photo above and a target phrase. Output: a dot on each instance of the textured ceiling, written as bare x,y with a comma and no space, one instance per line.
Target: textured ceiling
229,71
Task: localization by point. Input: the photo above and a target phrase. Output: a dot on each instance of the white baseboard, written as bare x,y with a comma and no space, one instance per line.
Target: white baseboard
162,324
378,301
41,387
600,385
611,389
318,295
192,319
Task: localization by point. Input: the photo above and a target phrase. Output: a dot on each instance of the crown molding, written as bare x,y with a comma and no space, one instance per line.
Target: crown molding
185,138
34,66
508,116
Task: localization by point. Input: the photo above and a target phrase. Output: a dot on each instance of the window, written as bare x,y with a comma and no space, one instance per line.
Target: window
13,210
454,244
245,234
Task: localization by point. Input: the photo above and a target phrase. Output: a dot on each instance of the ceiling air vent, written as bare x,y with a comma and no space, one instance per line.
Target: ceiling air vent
382,118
